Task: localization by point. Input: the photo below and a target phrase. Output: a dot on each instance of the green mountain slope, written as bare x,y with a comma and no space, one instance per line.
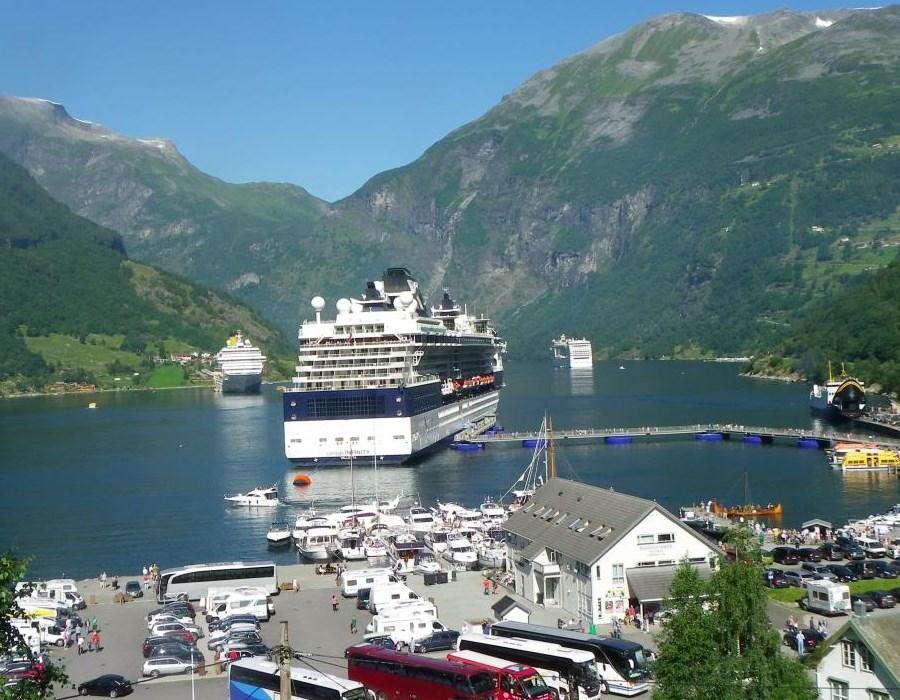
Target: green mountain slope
694,185
73,307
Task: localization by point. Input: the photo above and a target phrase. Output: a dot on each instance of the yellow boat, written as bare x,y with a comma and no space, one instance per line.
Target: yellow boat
869,458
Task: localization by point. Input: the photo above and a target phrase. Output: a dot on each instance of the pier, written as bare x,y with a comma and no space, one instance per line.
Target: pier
711,432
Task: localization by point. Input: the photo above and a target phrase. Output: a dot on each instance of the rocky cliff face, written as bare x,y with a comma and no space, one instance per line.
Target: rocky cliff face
678,186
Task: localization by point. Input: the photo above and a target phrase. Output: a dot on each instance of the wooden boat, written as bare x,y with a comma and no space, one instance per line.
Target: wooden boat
748,509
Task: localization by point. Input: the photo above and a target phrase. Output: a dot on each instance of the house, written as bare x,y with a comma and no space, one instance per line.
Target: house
862,661
591,551
508,609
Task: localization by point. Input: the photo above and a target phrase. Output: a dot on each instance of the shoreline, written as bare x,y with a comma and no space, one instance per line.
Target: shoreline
46,394
784,378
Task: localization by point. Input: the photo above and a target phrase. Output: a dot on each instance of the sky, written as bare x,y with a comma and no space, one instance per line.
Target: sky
321,94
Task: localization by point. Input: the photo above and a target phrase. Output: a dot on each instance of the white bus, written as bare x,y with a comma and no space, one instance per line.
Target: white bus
254,678
194,580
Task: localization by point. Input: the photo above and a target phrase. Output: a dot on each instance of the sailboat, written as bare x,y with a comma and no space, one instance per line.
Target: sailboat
539,468
748,509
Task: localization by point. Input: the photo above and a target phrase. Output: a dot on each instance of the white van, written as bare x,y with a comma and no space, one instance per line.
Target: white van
827,598
389,592
352,581
216,596
872,547
404,630
243,604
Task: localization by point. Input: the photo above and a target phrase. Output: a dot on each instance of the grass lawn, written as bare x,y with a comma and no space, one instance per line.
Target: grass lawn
66,351
793,595
165,376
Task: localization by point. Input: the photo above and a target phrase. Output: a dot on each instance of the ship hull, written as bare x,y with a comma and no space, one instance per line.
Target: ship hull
392,440
239,383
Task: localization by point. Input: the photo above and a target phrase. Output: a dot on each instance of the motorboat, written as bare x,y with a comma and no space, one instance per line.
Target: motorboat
306,521
436,538
492,554
469,518
348,545
375,548
351,516
492,514
260,496
448,512
317,543
426,564
279,534
404,550
420,520
460,552
474,535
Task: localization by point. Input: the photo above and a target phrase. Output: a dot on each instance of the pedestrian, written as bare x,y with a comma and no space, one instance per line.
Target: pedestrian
800,639
94,623
494,586
95,641
80,644
337,577
651,618
65,636
217,660
353,625
334,602
486,587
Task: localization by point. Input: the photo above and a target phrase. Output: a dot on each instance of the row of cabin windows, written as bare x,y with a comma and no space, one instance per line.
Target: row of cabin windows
661,538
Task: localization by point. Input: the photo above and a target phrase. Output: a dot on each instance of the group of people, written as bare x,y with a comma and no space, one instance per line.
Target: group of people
793,627
74,633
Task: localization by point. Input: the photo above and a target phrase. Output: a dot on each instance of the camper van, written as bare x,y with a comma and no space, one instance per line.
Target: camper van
46,607
388,593
256,604
407,608
404,630
352,581
62,589
218,595
826,598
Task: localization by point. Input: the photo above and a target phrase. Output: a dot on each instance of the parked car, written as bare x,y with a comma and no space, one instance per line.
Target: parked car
381,640
167,666
811,639
854,553
178,649
842,573
820,572
253,650
831,551
862,569
238,640
175,627
151,643
798,578
883,599
445,639
179,606
774,578
866,598
809,554
233,631
133,589
169,617
785,555
226,622
886,569
109,685
234,644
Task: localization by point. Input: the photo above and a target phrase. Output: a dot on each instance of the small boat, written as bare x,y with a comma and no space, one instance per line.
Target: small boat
349,545
279,534
375,548
404,551
436,539
420,520
92,404
492,554
426,564
492,514
260,496
302,480
460,552
316,543
748,509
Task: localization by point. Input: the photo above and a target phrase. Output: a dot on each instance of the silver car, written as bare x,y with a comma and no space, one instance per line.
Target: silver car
799,578
169,666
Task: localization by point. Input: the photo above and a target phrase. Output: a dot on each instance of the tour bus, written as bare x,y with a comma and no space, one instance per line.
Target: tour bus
194,580
352,581
511,681
575,668
389,593
260,680
621,665
396,674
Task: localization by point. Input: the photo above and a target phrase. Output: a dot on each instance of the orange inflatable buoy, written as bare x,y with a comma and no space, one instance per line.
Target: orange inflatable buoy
302,480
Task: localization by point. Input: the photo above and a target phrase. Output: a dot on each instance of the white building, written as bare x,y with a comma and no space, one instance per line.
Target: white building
590,551
862,661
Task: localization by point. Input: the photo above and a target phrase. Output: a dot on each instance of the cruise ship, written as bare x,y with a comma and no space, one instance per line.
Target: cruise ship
841,397
239,366
574,353
389,377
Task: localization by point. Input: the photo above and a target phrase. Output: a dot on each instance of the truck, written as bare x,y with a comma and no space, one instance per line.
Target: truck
511,681
828,598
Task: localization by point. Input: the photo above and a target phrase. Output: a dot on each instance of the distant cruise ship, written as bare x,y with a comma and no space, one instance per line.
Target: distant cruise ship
574,353
240,366
389,377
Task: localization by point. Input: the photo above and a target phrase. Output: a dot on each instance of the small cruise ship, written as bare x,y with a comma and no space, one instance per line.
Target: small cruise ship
239,366
574,353
389,377
839,397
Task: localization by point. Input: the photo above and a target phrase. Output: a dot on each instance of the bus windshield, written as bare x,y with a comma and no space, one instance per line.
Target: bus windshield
632,664
534,685
587,678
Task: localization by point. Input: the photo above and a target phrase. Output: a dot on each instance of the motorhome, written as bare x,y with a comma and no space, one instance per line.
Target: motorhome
217,595
404,630
255,604
406,608
46,607
352,581
387,593
827,598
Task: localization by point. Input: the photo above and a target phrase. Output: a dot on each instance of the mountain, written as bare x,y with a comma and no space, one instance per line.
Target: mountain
75,308
694,185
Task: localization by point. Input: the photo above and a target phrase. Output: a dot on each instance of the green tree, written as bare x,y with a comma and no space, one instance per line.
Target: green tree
12,569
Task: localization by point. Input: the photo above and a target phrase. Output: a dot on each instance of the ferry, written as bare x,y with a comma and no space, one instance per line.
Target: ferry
239,366
841,397
574,353
389,377
850,457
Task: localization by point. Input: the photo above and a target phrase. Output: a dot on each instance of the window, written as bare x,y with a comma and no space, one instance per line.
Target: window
848,654
866,662
665,537
618,574
665,562
645,539
551,555
878,695
839,689
644,564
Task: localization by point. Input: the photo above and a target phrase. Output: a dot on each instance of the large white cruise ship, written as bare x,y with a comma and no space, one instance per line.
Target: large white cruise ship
239,366
388,378
574,353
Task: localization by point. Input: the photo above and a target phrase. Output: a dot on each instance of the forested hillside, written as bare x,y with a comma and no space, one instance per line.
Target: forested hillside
74,308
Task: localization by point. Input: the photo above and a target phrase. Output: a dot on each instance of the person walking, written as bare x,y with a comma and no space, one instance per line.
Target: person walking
334,602
801,638
80,644
95,641
353,625
94,623
486,587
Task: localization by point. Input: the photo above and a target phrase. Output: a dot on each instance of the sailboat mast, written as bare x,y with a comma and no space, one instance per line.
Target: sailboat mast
550,447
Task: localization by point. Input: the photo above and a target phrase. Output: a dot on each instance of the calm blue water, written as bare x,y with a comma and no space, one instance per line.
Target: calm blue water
142,478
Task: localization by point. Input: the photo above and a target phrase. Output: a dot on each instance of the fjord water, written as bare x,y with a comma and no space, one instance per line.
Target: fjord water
141,478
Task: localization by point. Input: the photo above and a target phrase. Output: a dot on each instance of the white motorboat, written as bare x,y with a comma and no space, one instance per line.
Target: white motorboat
436,539
353,516
260,496
404,551
316,543
375,548
349,545
468,518
279,534
420,520
460,552
475,536
492,554
426,564
492,514
448,512
308,520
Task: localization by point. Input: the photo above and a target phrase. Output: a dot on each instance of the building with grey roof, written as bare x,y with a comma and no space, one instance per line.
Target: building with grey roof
592,551
862,660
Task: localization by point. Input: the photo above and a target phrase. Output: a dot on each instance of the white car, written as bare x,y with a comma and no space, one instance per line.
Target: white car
166,617
168,666
163,628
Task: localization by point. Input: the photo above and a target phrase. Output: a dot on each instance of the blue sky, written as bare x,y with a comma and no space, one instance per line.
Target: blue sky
324,95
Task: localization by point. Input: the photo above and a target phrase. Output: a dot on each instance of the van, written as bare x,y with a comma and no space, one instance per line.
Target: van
826,598
404,631
872,547
352,581
243,604
218,595
389,592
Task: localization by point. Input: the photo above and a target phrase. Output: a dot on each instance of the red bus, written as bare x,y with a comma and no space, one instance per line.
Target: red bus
398,674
